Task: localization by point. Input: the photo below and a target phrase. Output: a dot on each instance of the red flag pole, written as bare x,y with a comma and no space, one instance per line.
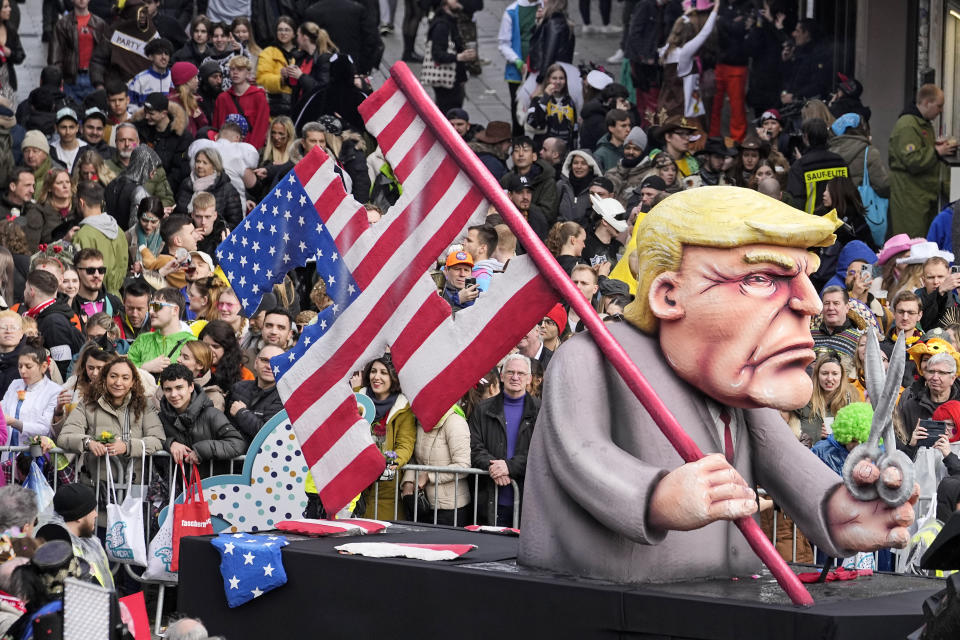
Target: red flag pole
627,369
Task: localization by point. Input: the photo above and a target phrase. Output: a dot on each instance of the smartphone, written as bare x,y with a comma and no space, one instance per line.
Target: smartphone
469,282
935,429
955,268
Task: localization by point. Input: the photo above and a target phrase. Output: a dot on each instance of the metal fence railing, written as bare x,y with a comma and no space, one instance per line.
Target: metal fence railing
161,464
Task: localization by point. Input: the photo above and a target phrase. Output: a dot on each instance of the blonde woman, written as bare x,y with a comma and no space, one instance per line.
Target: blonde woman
90,165
831,392
311,78
208,175
274,64
279,142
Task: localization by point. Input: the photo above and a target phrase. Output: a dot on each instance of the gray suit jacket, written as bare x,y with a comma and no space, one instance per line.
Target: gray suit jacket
596,457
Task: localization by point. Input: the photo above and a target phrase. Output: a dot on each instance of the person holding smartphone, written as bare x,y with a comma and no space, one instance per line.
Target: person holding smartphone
940,376
461,289
939,292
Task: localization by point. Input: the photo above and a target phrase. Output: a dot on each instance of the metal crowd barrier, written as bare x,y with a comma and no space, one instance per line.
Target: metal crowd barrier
457,471
176,486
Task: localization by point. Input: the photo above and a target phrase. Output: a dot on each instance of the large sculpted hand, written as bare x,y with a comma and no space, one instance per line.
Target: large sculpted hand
870,525
698,493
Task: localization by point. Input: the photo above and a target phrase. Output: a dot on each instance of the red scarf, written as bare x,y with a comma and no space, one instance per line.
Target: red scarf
33,313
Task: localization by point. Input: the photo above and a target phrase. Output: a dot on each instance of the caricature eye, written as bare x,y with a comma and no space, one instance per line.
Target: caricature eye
758,284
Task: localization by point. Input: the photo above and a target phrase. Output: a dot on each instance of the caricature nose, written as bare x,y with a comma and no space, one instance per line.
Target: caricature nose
804,299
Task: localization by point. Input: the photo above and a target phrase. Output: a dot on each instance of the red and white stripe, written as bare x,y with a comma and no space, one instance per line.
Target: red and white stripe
399,304
351,526
463,349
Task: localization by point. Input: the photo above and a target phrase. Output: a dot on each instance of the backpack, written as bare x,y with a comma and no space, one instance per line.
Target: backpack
117,197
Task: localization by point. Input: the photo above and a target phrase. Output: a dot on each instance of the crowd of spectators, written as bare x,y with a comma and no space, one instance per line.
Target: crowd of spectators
126,167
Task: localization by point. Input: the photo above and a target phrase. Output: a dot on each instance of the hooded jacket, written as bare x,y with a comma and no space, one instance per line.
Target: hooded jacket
203,428
59,335
575,204
252,106
607,154
853,250
171,144
917,175
543,183
102,232
851,147
490,156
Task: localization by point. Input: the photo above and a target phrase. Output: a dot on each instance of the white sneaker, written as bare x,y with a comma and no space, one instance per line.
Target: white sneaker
611,28
589,28
616,58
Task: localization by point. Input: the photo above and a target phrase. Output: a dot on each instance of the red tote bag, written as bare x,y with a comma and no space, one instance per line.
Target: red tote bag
192,517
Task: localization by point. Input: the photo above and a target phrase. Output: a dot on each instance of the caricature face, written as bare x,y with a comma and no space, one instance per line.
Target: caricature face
735,323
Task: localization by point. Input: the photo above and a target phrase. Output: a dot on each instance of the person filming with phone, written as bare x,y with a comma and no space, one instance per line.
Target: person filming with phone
919,403
939,291
461,289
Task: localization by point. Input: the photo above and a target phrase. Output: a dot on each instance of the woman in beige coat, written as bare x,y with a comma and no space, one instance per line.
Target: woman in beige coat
117,405
446,445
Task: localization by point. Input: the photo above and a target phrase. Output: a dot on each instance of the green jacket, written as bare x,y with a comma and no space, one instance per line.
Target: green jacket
606,154
916,175
103,234
152,345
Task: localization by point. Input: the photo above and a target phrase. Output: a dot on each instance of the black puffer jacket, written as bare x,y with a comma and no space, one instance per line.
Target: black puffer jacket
552,41
203,428
229,204
262,404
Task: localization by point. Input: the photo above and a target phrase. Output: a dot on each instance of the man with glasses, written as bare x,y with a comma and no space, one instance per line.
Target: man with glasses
92,296
531,345
939,375
907,312
252,403
158,349
100,231
500,431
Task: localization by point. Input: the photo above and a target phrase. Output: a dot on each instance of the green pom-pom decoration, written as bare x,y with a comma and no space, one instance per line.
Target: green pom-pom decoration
853,423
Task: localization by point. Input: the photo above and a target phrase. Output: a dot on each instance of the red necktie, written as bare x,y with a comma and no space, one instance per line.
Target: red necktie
727,435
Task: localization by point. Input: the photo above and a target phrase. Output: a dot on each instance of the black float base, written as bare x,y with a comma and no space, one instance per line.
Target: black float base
486,595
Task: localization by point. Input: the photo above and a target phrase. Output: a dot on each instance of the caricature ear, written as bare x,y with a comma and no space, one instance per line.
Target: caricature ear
662,297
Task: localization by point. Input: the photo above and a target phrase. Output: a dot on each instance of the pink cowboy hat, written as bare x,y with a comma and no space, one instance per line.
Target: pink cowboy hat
897,244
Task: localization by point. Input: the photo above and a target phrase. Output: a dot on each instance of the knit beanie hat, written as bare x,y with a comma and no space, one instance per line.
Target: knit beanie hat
74,501
35,139
637,137
950,410
182,72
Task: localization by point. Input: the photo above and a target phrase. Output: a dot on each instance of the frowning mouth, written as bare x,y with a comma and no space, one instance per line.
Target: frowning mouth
802,350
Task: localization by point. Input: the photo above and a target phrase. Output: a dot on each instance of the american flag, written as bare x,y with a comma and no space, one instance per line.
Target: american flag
377,277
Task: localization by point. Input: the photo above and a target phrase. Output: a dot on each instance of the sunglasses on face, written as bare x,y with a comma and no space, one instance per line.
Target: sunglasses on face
157,306
92,270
